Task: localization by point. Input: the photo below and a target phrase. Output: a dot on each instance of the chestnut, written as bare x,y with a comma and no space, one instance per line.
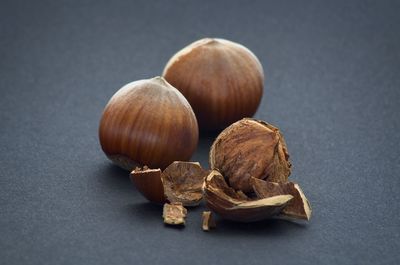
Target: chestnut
148,122
222,80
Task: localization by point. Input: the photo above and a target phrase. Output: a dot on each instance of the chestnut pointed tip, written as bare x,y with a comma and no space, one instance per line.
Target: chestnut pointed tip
161,80
210,40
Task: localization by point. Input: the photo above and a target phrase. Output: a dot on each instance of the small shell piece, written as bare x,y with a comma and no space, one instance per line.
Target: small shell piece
174,213
208,221
232,205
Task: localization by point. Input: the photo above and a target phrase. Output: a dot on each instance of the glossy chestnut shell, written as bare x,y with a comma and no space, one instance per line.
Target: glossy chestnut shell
148,122
222,80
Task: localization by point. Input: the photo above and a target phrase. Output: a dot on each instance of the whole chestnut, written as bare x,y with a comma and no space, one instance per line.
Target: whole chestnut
148,122
222,80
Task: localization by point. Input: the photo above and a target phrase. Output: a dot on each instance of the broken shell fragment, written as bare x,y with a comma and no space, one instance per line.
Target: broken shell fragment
179,182
232,205
298,208
148,182
183,182
174,213
207,221
250,148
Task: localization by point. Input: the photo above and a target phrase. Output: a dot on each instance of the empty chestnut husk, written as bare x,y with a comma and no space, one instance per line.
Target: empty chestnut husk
250,148
180,182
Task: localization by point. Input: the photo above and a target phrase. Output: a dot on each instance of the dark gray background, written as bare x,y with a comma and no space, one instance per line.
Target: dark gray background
332,86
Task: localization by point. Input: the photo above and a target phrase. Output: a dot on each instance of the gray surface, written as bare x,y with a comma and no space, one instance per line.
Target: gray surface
332,86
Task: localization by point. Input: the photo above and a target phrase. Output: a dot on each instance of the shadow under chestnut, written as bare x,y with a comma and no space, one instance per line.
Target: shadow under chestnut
269,227
206,139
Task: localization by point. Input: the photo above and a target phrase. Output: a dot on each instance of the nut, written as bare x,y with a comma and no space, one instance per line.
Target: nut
174,213
222,80
207,221
148,122
298,208
180,182
235,206
250,148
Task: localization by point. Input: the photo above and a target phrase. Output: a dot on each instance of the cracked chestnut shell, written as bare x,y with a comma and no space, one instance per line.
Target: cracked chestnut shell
148,183
298,208
180,182
183,182
250,148
236,206
148,122
222,80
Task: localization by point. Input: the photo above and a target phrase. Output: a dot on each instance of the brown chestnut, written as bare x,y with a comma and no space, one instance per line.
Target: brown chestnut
148,122
222,80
